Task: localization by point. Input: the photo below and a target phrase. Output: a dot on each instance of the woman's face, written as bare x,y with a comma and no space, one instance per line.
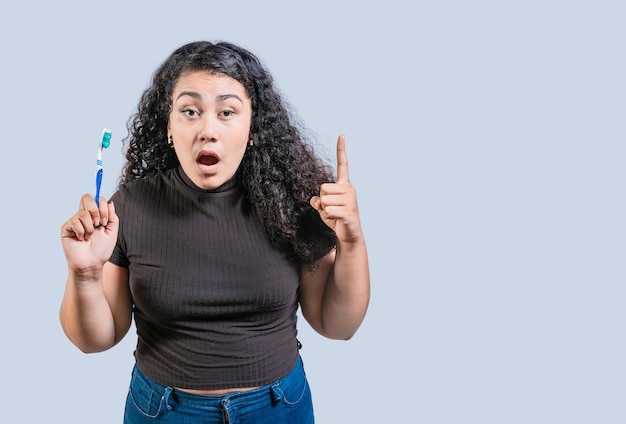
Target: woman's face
209,125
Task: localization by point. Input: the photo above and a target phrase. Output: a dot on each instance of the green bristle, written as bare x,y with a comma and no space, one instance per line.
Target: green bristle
106,139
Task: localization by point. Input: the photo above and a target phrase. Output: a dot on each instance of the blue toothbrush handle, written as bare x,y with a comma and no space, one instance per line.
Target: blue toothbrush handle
98,184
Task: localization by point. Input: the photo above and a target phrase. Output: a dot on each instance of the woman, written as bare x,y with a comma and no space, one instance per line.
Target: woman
223,224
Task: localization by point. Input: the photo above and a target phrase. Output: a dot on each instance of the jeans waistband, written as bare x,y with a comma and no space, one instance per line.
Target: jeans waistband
172,395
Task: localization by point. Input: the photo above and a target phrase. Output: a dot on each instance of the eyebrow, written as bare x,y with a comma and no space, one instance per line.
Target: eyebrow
219,98
189,93
228,96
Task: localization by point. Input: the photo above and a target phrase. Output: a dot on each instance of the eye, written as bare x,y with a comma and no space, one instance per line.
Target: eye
227,113
189,112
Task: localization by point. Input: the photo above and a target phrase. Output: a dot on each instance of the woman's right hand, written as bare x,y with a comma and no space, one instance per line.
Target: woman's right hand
90,235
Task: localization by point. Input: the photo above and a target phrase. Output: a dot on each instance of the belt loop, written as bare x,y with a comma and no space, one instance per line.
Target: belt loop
165,399
277,392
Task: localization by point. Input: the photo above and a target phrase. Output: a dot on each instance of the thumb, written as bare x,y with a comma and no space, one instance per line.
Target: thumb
114,221
316,203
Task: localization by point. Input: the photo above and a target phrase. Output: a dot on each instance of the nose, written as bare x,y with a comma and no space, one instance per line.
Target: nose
208,128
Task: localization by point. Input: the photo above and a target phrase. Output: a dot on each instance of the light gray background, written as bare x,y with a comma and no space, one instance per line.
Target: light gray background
486,142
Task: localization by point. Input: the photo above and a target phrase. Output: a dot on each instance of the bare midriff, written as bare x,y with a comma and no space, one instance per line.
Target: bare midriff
217,392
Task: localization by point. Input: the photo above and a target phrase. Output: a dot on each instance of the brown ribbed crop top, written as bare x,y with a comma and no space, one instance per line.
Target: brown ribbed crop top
214,302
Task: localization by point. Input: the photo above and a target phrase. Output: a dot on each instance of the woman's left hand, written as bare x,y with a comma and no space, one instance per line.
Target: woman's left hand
337,204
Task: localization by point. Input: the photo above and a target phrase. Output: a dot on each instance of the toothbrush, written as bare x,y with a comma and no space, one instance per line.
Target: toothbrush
104,143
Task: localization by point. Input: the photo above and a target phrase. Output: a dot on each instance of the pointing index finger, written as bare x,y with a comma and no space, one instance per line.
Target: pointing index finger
342,160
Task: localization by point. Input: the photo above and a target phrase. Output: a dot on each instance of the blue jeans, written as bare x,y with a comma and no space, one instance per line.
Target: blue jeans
287,400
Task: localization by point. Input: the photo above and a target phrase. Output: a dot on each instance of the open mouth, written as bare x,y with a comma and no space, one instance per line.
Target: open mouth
207,160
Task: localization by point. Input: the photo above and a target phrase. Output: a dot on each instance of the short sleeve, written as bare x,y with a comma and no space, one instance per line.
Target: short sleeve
119,257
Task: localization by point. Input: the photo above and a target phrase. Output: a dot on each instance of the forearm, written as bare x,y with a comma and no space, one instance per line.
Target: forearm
85,314
347,293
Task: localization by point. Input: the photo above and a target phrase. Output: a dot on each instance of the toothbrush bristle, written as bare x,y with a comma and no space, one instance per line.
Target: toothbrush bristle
106,139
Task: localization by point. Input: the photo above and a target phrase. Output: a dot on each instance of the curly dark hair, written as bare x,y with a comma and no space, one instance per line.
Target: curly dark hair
279,173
